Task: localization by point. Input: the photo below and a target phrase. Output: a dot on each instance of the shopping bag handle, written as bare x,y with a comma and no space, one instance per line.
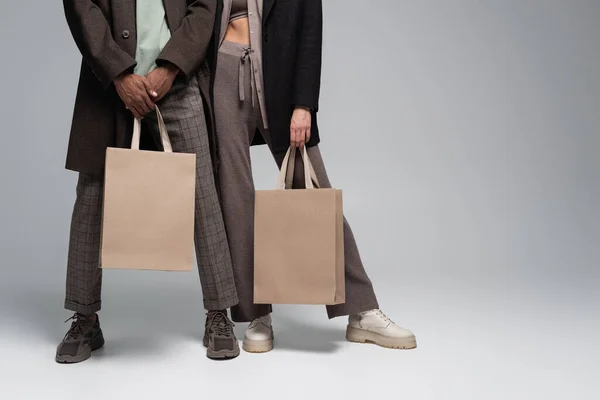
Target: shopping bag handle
162,128
313,183
286,175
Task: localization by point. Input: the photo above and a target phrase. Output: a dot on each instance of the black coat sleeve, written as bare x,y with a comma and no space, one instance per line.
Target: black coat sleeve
189,43
307,76
93,37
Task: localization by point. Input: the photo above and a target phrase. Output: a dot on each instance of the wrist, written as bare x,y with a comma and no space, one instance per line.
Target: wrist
303,108
119,78
123,75
172,69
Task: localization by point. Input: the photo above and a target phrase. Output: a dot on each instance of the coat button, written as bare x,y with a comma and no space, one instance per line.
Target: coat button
266,37
125,34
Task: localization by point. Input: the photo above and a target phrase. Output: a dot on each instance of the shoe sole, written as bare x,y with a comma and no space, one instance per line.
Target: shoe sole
356,335
96,344
257,346
220,354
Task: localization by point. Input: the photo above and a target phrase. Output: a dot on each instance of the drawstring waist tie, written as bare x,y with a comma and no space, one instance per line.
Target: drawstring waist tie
247,56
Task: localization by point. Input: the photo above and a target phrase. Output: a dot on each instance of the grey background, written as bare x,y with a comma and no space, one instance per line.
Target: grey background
465,135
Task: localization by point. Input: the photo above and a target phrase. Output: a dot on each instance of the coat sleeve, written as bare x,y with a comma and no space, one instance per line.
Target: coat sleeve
189,43
307,76
93,37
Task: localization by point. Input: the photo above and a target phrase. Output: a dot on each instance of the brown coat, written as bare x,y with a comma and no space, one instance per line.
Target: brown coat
105,33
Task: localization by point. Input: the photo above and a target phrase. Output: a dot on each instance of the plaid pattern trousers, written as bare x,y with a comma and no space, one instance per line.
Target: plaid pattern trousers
183,112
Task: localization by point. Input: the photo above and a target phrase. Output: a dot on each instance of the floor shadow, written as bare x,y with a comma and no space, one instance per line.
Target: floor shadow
132,347
303,336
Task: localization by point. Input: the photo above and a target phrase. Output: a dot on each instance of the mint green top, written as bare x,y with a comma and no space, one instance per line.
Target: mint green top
152,34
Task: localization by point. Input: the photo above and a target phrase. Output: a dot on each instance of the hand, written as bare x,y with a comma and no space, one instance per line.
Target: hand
161,79
300,127
136,93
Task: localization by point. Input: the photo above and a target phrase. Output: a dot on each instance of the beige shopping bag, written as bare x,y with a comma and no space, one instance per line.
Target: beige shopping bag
148,220
299,241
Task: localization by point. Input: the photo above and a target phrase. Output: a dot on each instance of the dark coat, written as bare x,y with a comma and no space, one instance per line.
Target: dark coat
105,33
292,45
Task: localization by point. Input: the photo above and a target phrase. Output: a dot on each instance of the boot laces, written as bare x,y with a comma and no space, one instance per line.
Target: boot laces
259,320
383,316
80,321
219,323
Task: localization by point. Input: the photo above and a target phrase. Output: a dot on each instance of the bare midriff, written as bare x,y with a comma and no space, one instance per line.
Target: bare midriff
238,31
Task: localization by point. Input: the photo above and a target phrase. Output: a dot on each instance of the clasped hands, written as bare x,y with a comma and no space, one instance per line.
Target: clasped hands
140,93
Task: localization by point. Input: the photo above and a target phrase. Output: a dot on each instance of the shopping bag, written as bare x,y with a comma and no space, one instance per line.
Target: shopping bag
148,216
298,241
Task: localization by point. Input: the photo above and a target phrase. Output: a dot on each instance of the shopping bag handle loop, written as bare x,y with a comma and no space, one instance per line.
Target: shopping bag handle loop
286,175
162,128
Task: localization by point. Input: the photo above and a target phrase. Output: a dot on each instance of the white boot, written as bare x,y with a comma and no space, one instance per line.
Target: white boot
375,327
259,336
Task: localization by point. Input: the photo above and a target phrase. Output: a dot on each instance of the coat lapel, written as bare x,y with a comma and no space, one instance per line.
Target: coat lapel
267,6
175,11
